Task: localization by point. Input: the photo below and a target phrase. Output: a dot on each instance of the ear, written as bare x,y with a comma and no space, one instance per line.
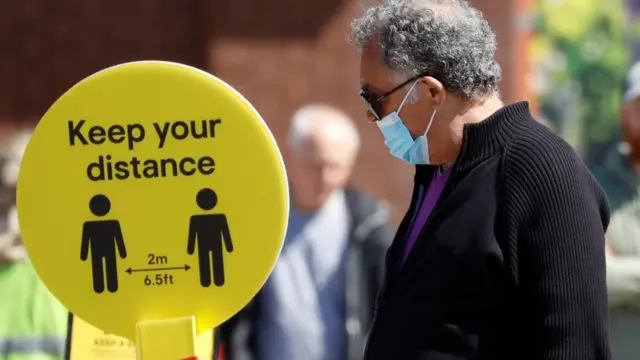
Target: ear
435,91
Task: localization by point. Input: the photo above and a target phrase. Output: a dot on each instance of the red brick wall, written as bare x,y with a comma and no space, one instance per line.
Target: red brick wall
280,54
47,46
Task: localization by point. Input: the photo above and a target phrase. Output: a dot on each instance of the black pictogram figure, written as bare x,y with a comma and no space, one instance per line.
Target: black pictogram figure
208,231
102,237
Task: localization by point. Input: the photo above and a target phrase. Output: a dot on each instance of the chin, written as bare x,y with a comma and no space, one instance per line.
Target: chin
322,198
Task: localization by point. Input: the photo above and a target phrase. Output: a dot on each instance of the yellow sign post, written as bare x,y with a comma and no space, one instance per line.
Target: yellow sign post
86,342
153,203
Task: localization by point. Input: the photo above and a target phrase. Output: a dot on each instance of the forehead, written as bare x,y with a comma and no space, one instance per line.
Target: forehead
327,144
373,75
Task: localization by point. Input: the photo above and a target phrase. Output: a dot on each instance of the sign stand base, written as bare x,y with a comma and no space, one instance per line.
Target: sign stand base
169,339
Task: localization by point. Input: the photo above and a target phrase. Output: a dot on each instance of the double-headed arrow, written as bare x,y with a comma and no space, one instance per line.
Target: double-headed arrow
185,268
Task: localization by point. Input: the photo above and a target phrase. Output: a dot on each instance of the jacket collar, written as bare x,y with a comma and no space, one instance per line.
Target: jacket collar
482,140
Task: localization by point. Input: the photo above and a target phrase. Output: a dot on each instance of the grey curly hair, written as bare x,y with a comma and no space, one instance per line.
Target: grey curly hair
446,39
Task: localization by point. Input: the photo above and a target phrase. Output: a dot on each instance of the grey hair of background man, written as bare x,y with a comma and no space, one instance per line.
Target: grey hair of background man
309,118
448,40
11,153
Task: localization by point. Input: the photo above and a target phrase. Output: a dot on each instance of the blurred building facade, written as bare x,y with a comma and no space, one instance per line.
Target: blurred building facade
280,54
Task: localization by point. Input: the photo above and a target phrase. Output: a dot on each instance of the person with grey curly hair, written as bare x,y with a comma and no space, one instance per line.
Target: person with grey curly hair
501,253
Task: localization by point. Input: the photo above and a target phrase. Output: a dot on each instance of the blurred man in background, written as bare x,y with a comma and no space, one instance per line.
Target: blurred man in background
318,302
619,175
33,323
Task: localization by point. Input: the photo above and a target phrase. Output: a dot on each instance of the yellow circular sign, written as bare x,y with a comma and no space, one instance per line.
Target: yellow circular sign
152,190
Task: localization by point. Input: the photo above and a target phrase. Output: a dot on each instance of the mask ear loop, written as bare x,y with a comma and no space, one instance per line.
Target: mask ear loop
433,115
406,96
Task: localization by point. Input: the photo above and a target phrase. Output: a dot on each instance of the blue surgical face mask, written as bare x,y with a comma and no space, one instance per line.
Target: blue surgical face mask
399,140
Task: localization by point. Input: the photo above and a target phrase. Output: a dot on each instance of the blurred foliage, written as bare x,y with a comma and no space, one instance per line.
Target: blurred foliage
582,54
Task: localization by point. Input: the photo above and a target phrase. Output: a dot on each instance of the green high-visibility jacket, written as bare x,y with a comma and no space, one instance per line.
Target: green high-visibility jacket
33,324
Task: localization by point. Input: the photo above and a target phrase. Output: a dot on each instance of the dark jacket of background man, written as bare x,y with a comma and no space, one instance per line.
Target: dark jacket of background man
368,243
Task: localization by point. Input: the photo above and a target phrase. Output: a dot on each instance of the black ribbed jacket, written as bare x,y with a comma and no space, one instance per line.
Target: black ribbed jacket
510,265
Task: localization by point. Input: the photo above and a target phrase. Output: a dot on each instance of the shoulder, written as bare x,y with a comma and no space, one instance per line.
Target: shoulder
367,214
28,284
540,169
541,159
361,205
539,149
22,269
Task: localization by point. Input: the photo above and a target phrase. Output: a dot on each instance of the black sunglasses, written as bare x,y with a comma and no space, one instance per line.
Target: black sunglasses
374,102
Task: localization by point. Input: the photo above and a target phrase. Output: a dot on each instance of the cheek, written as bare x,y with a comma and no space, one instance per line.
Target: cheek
630,125
634,121
303,178
331,178
341,178
390,105
416,122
